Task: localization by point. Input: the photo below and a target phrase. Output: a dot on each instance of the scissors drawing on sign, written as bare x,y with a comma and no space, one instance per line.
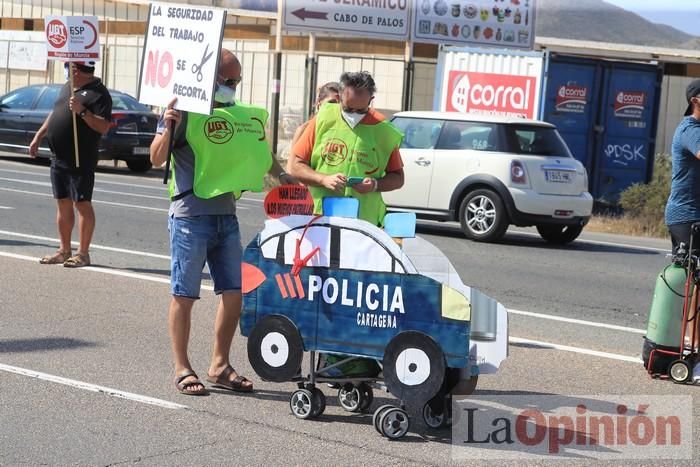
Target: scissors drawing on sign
198,68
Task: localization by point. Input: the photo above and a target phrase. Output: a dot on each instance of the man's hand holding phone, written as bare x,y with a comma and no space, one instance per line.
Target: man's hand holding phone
362,185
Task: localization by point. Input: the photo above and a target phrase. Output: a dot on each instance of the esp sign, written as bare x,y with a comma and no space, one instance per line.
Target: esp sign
72,38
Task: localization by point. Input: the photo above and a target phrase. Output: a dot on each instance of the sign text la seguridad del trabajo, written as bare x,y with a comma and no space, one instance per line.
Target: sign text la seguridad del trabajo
181,56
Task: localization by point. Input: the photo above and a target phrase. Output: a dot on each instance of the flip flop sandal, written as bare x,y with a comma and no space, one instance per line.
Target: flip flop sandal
77,261
184,387
236,385
59,257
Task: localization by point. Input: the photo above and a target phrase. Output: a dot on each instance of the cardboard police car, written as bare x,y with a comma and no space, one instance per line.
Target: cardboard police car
342,285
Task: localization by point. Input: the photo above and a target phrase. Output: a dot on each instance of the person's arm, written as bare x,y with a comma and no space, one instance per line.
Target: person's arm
34,145
278,172
693,141
159,146
95,122
393,179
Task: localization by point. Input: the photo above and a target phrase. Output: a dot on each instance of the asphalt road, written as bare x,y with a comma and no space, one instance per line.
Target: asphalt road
85,370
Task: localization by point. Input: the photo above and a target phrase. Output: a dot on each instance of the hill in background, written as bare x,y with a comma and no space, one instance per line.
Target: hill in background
597,20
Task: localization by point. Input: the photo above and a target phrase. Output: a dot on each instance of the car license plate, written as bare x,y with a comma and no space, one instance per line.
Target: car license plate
141,150
558,176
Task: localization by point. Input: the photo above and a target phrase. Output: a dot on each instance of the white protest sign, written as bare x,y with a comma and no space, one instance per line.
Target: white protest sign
181,56
72,38
383,19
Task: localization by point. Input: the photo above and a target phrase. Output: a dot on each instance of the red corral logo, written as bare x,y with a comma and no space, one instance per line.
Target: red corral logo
490,93
630,104
571,98
57,33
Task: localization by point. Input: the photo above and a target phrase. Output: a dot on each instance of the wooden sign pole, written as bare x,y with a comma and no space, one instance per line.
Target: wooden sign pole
75,123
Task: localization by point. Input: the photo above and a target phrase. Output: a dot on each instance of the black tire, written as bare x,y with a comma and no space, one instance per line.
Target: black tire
378,414
559,234
275,349
367,396
139,165
350,397
483,216
319,402
394,423
302,404
414,367
434,420
680,371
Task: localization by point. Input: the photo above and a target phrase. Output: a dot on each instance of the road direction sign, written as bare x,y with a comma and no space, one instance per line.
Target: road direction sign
384,19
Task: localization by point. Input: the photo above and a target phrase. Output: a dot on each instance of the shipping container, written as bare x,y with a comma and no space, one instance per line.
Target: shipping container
606,111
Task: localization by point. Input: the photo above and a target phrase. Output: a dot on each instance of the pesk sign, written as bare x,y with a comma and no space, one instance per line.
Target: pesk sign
181,55
490,93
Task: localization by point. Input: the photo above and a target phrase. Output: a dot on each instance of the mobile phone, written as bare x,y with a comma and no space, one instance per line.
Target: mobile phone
354,181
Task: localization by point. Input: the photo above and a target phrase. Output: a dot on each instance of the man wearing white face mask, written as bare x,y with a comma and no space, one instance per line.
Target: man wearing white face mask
214,158
346,140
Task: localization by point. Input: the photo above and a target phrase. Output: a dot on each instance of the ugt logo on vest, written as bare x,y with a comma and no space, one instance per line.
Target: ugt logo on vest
334,152
218,130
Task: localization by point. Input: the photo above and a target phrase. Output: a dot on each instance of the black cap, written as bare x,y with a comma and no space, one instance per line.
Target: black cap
693,90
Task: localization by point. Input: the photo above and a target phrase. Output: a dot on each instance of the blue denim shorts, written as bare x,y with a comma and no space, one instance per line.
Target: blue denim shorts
215,240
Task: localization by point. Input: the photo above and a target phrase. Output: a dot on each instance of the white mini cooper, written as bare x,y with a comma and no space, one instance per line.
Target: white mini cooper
489,172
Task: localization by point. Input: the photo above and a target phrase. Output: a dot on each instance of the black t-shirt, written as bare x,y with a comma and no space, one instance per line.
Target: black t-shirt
95,97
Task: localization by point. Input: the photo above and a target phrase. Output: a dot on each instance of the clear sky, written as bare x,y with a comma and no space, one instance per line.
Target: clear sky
681,14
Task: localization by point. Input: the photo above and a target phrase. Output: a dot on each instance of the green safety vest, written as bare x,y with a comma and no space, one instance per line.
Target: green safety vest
231,153
360,152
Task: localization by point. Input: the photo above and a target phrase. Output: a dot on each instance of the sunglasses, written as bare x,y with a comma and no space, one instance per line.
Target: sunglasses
230,82
359,111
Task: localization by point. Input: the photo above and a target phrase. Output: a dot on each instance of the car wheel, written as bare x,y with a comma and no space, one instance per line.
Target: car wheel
483,216
414,367
139,166
275,349
559,234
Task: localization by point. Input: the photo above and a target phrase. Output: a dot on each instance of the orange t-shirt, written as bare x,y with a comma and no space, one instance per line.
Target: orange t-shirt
305,145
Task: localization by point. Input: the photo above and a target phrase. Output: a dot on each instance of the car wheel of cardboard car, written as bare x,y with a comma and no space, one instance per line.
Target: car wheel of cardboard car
367,396
434,420
394,423
679,371
302,404
559,234
139,165
414,367
319,402
378,415
350,397
275,349
482,216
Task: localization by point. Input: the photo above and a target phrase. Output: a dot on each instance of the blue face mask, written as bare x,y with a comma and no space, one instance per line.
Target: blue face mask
224,94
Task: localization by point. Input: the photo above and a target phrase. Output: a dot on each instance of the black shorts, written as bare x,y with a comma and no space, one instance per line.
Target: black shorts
71,183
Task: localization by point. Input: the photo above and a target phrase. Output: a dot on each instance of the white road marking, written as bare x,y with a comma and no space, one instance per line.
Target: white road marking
109,203
97,190
113,272
92,387
98,179
513,339
577,321
6,207
599,242
568,348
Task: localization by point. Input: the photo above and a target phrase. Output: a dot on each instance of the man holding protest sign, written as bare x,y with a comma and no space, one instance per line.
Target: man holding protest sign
214,157
90,106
